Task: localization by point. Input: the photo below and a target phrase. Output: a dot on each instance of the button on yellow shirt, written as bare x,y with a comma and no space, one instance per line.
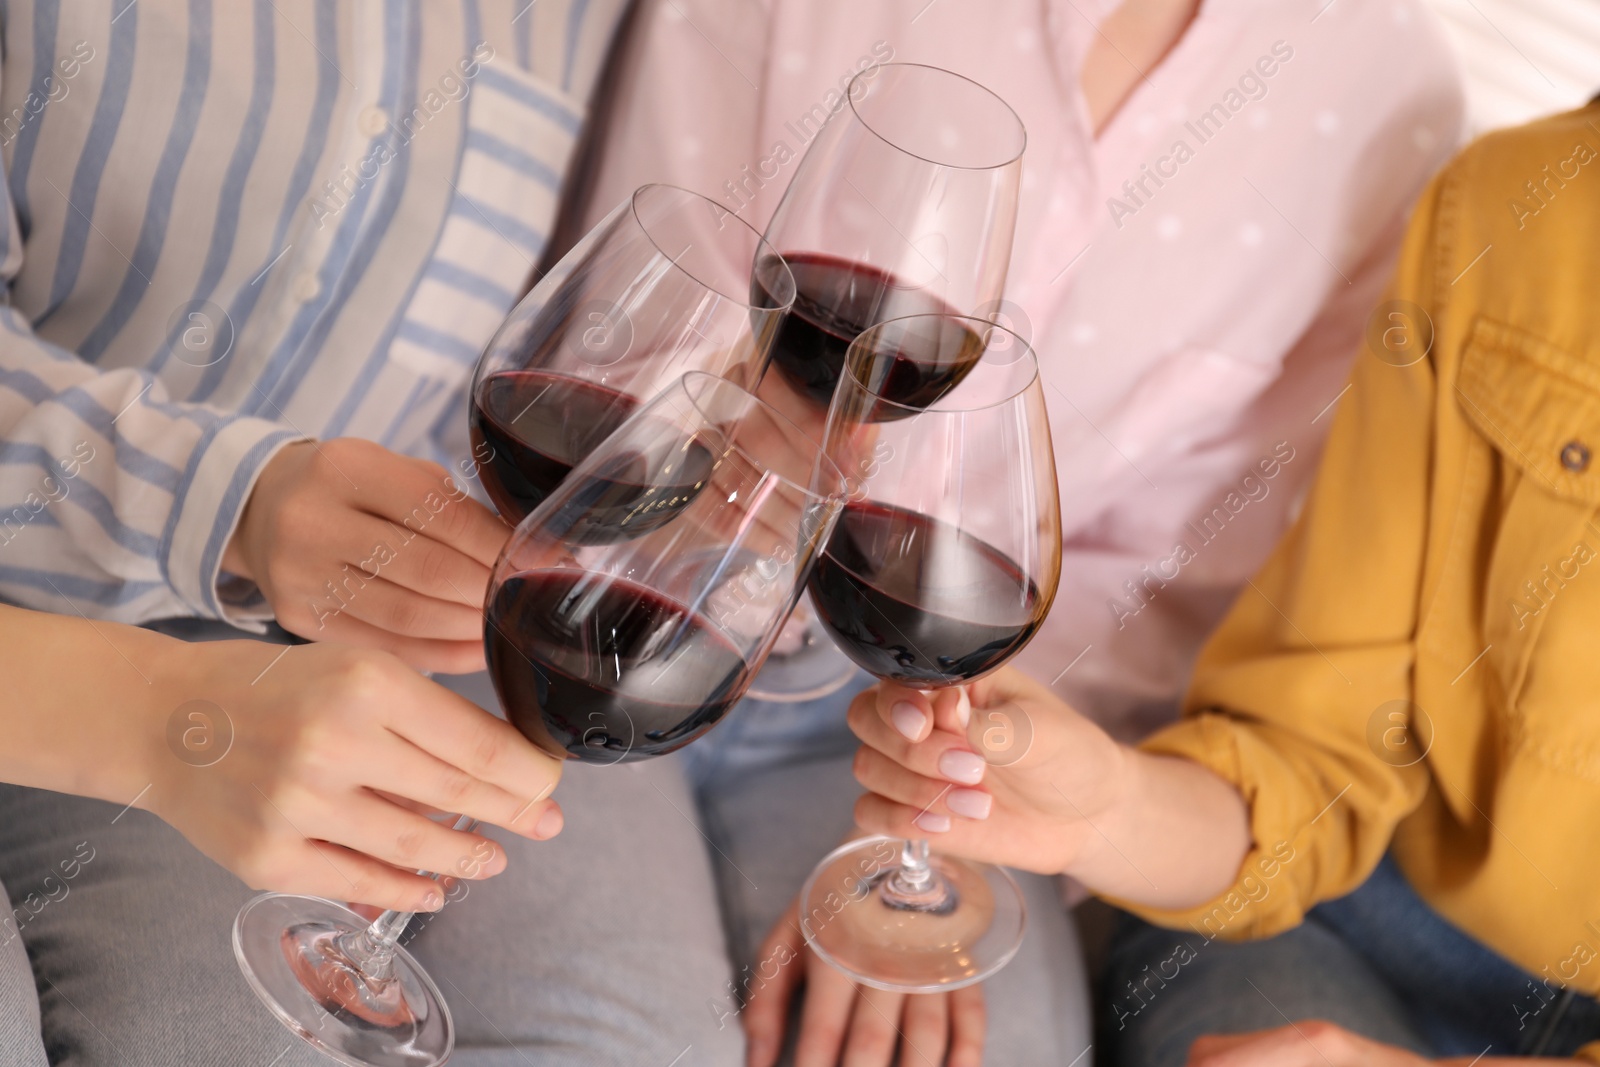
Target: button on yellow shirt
1418,665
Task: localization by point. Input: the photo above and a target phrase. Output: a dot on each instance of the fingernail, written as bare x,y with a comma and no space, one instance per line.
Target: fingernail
963,707
931,822
971,803
961,766
433,901
908,719
549,824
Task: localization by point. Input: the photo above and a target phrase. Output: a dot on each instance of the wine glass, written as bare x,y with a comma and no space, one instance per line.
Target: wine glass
904,204
625,616
942,566
661,286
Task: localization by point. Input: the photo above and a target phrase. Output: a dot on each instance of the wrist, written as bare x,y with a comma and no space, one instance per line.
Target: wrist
115,711
233,556
185,725
239,556
1102,825
96,729
144,758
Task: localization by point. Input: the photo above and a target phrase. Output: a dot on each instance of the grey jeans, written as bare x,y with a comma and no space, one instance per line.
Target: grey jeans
606,946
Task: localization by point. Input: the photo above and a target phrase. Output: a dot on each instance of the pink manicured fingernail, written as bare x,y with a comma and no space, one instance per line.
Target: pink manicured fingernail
433,901
964,767
971,803
931,822
963,707
908,719
549,824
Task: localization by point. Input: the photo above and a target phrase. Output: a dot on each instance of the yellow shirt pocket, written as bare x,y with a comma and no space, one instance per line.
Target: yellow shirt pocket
1538,407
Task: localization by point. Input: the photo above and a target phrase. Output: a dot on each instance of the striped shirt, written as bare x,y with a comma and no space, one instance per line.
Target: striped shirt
229,226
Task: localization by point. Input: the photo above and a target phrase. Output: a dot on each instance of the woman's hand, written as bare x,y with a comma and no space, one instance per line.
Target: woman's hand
999,771
310,769
1307,1044
1322,1044
842,1022
1007,773
351,542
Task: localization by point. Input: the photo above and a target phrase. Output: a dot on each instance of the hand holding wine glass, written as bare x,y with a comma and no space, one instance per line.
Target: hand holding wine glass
353,543
1001,771
942,566
625,616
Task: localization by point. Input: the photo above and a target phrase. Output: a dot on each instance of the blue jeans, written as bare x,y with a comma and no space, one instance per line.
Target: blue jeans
1379,962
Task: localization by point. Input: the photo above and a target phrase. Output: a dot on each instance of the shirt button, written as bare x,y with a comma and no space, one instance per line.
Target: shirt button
306,287
1575,457
373,120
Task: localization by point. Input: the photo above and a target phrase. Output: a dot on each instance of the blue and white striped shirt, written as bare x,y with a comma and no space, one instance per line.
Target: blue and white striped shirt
229,226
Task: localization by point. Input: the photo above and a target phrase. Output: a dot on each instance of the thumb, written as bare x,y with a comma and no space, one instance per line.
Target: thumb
904,709
952,710
999,726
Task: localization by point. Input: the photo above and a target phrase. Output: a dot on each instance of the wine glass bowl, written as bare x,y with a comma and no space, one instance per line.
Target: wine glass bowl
660,287
626,616
904,204
937,116
942,565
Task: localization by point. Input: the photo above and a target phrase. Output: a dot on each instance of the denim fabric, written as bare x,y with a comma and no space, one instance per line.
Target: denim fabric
1379,962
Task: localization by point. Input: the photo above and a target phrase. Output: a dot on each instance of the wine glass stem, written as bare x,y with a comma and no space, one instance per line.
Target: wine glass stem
914,874
372,949
915,885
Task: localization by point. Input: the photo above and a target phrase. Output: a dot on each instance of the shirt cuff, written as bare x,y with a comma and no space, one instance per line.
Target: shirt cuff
1263,899
222,470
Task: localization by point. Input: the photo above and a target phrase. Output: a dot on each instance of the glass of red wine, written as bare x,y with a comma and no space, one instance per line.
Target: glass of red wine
941,567
660,287
904,204
625,616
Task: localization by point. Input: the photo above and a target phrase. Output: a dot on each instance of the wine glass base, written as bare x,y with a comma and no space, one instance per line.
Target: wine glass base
290,950
849,922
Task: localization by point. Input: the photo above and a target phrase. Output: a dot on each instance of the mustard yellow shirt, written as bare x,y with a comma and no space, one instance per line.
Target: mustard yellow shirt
1418,665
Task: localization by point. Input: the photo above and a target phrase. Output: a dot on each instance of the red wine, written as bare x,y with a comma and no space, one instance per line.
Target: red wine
917,601
636,490
836,301
601,669
539,425
533,426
